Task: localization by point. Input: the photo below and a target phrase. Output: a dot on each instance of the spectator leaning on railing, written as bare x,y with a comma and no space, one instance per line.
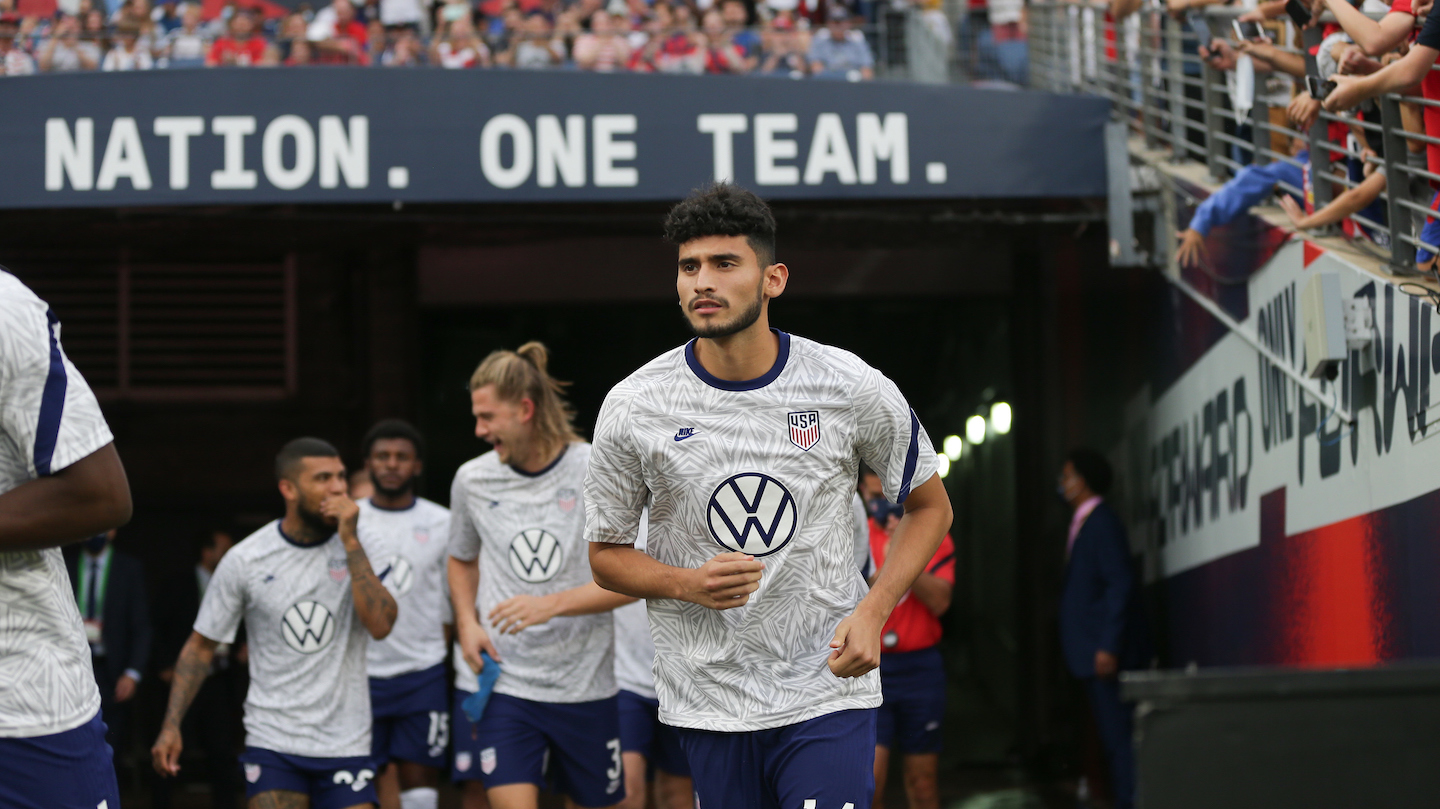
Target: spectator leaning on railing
127,53
187,45
242,47
13,61
1249,187
840,52
65,52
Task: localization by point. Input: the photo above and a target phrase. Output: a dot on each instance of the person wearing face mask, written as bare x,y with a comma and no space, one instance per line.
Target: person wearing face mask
1102,629
110,592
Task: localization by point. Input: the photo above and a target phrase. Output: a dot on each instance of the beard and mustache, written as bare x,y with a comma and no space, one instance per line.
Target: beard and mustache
742,321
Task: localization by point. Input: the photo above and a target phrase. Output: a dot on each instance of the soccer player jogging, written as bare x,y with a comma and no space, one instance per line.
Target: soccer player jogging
408,695
309,598
523,592
746,441
61,481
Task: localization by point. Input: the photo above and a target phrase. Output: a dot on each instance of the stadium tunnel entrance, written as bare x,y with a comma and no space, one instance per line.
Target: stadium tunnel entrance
213,335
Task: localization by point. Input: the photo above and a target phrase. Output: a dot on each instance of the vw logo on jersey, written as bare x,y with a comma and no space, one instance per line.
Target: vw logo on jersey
535,555
401,575
752,513
308,627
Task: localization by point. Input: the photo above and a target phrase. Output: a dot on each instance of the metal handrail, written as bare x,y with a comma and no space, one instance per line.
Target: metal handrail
1147,66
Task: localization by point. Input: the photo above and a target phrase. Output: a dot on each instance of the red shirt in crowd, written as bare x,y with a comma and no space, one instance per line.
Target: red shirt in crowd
912,626
248,52
1430,89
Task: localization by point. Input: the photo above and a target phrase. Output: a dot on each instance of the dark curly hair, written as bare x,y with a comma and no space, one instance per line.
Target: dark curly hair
724,209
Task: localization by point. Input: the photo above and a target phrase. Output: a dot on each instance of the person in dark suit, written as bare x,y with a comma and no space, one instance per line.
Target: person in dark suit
211,720
110,592
1102,630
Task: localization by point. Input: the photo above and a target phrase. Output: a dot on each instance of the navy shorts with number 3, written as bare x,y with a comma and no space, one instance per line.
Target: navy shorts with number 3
516,739
824,763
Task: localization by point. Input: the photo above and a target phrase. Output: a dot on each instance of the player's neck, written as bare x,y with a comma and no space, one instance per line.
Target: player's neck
395,502
299,531
535,456
741,356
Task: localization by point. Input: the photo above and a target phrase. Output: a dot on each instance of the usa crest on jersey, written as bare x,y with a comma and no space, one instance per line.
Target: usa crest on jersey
805,429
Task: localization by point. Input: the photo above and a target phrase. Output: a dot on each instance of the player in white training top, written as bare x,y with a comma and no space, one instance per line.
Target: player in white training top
311,602
745,444
60,482
408,697
522,588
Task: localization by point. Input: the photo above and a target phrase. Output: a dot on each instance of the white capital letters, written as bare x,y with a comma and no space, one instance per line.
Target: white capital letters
522,146
769,148
608,150
723,129
124,157
890,142
69,157
179,129
272,152
234,175
560,151
344,154
829,151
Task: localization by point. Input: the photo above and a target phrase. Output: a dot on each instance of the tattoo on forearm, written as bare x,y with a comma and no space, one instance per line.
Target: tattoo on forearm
280,799
371,597
190,673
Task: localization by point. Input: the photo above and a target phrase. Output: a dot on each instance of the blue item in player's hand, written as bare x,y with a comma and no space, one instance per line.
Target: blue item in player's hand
474,705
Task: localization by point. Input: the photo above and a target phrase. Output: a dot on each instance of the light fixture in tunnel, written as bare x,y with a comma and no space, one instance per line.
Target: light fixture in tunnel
975,429
942,465
1000,417
954,447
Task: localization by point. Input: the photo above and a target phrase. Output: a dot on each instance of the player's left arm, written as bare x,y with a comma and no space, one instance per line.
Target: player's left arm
516,613
86,498
856,647
373,603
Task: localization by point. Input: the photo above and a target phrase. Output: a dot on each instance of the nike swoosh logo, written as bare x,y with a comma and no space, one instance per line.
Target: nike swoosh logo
683,437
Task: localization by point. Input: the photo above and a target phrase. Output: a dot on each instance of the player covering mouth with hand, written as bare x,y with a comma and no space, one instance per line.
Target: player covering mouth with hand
310,601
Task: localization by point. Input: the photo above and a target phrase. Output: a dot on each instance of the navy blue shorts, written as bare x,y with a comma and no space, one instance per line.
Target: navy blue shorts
825,763
641,731
331,783
412,720
914,687
518,741
69,770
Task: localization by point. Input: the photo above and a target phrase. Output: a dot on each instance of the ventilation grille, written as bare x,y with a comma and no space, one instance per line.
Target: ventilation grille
175,331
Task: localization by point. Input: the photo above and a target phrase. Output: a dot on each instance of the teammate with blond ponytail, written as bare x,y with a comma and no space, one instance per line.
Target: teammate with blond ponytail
518,516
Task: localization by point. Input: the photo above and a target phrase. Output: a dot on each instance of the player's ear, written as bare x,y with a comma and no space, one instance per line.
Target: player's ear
776,277
527,409
288,489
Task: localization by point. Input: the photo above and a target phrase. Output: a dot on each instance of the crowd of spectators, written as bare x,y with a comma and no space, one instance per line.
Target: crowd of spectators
787,38
1369,49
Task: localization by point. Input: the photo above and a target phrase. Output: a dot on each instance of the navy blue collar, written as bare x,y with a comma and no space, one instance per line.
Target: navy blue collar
414,500
744,384
547,468
280,527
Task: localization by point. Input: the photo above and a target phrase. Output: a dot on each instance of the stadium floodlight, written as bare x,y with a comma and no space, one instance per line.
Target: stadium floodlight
1000,417
943,465
954,446
975,429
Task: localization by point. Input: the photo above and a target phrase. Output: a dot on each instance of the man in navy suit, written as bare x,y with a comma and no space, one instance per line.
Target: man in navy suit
1102,629
110,592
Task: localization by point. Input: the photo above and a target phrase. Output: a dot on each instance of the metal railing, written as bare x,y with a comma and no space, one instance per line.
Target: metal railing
1148,66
